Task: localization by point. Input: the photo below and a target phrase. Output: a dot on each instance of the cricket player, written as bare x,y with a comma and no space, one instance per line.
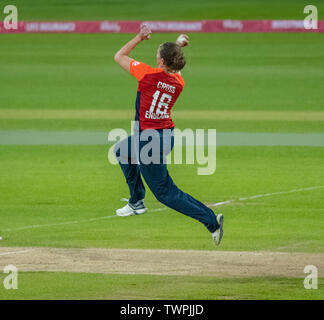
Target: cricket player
158,90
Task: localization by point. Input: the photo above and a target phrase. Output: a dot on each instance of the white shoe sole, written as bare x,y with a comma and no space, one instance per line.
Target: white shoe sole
218,234
131,213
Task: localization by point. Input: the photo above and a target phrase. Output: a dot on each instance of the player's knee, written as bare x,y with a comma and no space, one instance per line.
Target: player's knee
117,150
163,198
120,150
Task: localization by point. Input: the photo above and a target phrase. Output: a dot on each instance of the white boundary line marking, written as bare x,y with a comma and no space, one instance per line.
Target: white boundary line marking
14,252
264,195
219,203
35,226
162,209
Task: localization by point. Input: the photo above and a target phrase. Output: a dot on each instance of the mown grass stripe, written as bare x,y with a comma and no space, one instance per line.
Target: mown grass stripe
113,114
13,137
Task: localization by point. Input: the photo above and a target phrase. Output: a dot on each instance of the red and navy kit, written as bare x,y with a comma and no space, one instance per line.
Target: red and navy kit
156,94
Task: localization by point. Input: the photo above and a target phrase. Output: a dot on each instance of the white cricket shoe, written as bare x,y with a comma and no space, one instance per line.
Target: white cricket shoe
218,234
132,209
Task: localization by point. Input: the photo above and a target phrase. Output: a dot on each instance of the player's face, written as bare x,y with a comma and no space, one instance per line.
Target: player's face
159,61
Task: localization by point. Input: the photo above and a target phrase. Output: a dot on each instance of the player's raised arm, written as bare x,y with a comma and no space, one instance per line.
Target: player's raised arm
182,41
122,56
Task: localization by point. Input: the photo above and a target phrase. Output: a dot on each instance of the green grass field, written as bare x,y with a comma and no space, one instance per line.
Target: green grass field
155,10
96,286
63,196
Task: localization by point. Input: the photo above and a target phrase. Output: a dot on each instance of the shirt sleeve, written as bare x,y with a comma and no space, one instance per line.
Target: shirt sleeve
139,69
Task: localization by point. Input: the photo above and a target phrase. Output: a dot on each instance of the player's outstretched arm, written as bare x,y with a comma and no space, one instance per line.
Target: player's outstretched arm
122,56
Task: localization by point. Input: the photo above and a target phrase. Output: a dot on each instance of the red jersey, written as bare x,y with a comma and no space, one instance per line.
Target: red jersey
156,94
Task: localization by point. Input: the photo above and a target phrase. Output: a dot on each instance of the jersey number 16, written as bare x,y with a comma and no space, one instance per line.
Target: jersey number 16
163,103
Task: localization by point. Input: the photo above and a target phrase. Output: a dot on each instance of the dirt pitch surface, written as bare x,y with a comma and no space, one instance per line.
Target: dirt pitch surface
161,262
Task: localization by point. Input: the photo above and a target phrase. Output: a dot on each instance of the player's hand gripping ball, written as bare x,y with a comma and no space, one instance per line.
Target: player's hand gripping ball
182,40
145,32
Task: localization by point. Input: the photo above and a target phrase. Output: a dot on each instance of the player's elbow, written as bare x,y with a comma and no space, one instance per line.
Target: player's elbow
123,61
117,57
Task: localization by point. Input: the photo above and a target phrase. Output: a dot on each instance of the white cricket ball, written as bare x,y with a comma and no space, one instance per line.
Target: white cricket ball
182,40
0,238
